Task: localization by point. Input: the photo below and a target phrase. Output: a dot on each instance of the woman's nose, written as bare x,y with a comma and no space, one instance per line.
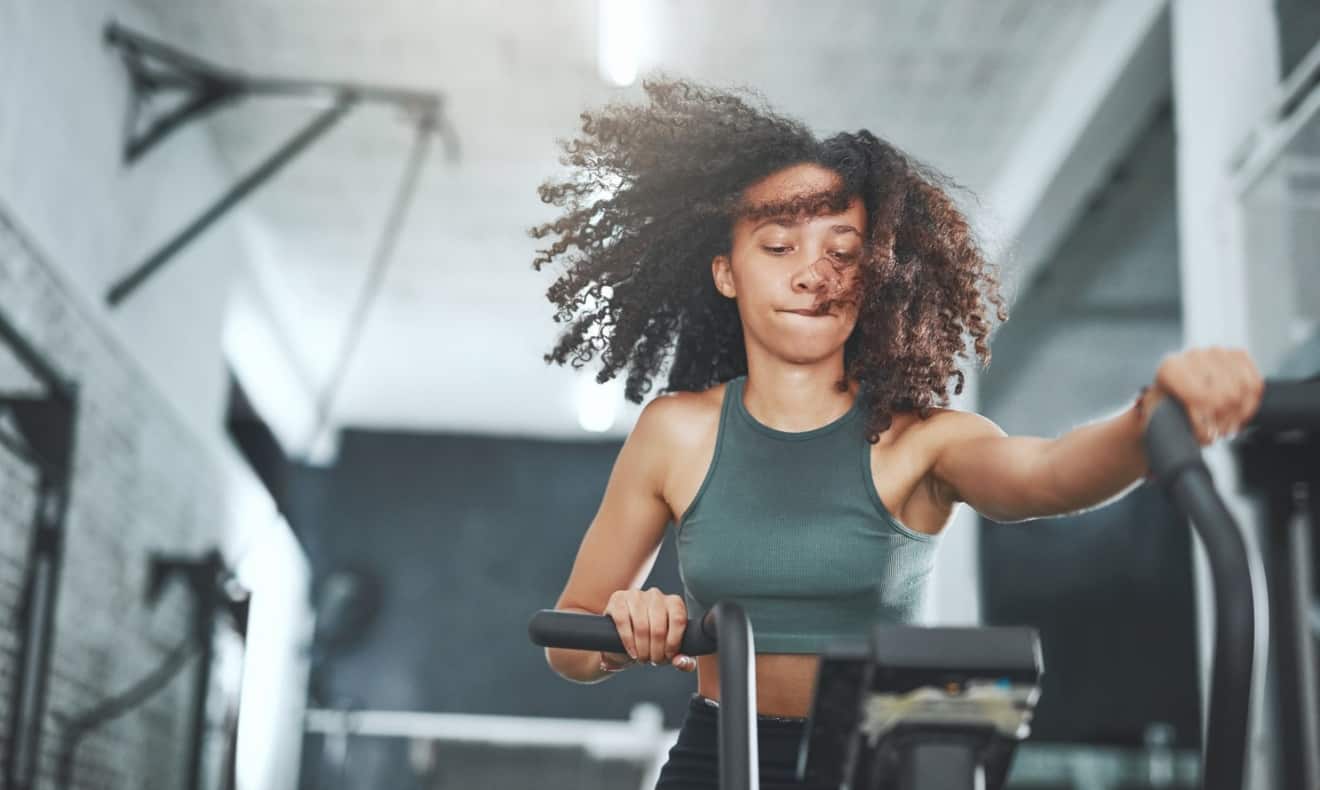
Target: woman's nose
815,276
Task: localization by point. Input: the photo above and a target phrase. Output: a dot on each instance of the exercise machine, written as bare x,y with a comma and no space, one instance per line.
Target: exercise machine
908,708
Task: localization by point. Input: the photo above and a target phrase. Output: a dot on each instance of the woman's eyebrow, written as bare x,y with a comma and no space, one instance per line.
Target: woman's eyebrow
785,222
788,222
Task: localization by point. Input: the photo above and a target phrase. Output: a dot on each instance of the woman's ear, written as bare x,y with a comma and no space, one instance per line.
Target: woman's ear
721,269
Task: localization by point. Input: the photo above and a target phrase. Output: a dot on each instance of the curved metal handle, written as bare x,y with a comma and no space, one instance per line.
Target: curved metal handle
1175,456
726,627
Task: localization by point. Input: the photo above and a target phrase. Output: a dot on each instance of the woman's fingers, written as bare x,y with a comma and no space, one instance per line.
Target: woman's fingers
662,626
651,626
1251,387
641,619
1220,388
619,611
676,611
614,662
1231,391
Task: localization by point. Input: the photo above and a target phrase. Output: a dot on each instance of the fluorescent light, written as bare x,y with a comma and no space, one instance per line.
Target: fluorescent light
619,34
598,404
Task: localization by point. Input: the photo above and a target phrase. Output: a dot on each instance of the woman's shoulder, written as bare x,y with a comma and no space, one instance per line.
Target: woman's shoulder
941,426
681,419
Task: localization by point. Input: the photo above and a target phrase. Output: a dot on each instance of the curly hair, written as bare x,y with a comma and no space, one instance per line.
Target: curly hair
651,197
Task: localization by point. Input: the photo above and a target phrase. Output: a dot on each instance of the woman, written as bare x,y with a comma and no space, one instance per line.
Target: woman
812,297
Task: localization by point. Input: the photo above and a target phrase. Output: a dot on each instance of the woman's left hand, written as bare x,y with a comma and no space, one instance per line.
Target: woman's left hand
1219,387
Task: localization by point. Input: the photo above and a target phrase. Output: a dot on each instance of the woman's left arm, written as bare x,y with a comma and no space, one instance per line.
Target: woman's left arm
1013,478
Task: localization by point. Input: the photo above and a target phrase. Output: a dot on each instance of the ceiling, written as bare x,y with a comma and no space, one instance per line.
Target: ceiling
454,341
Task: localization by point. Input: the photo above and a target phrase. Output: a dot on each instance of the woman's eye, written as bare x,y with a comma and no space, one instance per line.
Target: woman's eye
780,249
846,256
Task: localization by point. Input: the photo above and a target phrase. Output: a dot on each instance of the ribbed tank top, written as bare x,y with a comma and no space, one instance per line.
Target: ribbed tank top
790,526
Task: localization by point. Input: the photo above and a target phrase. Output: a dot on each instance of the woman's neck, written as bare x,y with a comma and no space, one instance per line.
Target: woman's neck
797,397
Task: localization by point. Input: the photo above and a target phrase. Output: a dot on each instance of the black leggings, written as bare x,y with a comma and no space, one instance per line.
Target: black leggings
694,760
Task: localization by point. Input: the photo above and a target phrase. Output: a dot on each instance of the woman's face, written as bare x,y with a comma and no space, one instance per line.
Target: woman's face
795,279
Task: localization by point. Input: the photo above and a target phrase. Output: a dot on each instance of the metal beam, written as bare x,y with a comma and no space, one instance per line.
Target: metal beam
380,262
1290,111
273,164
1117,80
157,69
36,626
35,362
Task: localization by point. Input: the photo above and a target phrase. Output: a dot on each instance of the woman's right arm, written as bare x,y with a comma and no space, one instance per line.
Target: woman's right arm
619,549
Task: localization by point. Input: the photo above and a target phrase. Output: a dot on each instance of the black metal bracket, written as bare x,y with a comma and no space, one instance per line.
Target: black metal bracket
45,430
209,580
215,592
262,173
197,87
212,591
156,71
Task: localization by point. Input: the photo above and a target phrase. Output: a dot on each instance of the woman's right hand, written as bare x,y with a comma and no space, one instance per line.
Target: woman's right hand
650,625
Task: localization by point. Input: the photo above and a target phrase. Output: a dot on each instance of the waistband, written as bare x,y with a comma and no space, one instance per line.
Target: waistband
703,703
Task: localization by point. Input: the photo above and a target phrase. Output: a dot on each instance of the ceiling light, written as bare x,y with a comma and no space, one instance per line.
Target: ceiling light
619,33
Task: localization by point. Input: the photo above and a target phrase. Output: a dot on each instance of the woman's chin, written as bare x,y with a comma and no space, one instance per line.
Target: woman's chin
811,352
803,340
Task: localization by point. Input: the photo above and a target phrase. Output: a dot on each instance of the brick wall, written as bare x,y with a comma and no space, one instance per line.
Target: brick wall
142,482
154,470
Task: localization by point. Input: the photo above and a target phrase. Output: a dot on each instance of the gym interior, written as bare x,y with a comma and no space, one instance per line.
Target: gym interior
284,473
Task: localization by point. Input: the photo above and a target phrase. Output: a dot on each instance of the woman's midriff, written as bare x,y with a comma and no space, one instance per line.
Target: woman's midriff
785,683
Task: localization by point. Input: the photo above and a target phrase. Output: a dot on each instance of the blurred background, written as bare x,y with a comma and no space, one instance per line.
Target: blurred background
283,474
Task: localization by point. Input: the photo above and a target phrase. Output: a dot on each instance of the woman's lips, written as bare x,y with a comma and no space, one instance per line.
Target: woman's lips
814,313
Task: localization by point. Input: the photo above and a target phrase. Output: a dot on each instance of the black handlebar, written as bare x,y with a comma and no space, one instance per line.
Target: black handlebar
582,631
1175,457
